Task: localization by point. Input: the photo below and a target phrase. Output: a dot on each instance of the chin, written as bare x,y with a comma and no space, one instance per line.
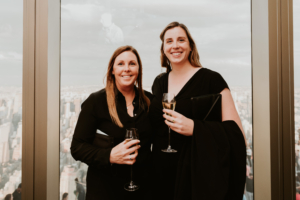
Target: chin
127,85
177,61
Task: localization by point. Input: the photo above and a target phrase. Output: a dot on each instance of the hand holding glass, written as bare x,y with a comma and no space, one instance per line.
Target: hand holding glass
169,102
131,134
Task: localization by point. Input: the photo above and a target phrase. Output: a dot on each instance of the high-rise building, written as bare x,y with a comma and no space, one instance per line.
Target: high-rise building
17,102
67,181
77,103
4,145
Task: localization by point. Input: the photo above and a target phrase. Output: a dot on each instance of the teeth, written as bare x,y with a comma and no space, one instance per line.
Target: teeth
176,54
126,76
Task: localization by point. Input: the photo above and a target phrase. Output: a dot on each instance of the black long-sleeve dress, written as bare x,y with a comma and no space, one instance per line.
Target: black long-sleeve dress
204,162
105,180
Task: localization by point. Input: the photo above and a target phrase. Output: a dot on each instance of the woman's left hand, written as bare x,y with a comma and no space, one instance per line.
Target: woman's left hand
179,123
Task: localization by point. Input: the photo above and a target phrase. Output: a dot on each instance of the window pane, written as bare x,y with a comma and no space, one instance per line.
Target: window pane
11,41
297,91
91,30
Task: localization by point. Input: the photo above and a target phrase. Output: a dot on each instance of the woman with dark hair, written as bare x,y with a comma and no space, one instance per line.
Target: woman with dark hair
109,112
200,167
8,197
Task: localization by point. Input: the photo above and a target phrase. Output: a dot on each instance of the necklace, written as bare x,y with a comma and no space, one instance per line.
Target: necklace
128,105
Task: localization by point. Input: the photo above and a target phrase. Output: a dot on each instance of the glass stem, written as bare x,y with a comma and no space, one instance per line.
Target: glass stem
131,175
169,138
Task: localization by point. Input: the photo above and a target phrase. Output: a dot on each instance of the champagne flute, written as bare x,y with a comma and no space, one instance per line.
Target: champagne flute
131,134
168,102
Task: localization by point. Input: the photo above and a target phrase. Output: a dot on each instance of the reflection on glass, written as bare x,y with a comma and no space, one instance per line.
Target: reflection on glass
92,30
11,35
297,92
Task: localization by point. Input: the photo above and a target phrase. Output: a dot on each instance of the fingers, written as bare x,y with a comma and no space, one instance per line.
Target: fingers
175,127
169,118
171,112
131,143
132,149
131,156
130,162
172,125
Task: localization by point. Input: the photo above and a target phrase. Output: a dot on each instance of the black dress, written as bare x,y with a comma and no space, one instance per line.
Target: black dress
104,180
168,178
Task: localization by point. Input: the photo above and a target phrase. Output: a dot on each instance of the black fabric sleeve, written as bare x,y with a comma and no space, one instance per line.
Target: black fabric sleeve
217,83
213,164
81,147
237,159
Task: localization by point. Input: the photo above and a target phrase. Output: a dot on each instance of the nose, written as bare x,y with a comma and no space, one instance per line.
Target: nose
126,68
175,45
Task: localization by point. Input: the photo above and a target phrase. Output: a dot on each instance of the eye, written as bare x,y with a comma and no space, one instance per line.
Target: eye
132,63
120,64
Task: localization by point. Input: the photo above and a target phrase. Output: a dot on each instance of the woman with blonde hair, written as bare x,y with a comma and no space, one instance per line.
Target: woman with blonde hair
99,134
205,158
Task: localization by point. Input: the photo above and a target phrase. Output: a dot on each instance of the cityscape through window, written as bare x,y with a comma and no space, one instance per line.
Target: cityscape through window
11,43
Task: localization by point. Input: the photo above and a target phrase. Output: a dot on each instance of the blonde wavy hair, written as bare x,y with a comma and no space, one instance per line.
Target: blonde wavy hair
111,88
194,55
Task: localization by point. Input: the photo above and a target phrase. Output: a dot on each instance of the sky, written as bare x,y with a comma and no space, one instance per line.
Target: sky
11,42
221,29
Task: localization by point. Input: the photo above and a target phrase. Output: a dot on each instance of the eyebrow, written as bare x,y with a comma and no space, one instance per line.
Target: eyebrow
123,61
177,37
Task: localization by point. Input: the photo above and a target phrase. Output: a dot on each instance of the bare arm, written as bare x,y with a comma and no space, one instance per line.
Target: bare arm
229,111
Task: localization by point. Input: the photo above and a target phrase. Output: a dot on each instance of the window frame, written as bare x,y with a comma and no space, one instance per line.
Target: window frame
272,88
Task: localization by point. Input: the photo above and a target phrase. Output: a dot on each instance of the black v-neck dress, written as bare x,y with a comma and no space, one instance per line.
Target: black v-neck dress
203,82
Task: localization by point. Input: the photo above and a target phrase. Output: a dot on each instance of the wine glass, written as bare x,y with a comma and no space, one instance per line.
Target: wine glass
131,134
168,102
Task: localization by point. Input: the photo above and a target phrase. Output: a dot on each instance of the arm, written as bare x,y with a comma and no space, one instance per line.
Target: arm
185,126
229,111
81,147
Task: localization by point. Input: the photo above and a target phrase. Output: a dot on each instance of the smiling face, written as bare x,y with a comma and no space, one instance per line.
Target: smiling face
125,69
176,46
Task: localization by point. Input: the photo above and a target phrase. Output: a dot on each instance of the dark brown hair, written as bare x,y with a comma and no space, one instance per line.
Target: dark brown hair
8,197
194,55
64,196
111,88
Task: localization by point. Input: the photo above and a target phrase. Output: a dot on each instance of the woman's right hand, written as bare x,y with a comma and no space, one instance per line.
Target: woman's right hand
120,154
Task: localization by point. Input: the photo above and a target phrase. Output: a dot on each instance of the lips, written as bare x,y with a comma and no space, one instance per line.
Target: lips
126,76
176,53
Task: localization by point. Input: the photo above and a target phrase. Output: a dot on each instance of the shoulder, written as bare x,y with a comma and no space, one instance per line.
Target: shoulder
148,94
210,73
95,98
161,77
215,80
99,94
159,82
